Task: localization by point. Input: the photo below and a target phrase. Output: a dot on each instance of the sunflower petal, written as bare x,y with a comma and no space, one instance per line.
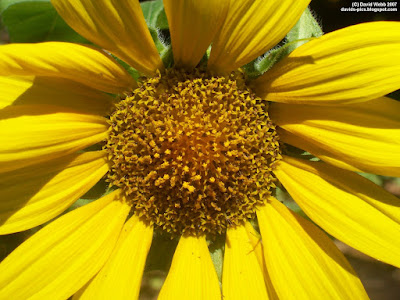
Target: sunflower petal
251,28
242,276
36,194
117,26
60,258
258,248
193,25
362,136
192,274
82,64
33,134
300,255
315,150
343,66
121,276
28,90
346,205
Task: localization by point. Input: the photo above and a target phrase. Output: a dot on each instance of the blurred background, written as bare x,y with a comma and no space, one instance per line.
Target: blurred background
381,281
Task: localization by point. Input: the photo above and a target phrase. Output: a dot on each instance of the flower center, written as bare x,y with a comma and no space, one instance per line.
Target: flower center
193,152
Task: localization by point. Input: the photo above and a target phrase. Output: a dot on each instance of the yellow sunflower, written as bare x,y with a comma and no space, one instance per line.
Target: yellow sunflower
195,152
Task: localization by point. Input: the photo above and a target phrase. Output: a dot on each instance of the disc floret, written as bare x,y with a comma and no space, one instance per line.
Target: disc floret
193,152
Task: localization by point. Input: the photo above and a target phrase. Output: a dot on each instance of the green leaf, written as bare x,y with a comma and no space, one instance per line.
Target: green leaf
4,4
36,21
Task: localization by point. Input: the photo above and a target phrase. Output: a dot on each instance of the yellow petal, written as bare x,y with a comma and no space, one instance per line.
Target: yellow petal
346,205
36,194
117,26
60,258
314,149
28,90
83,64
242,276
192,274
343,66
362,136
33,134
193,25
121,276
302,261
251,28
258,248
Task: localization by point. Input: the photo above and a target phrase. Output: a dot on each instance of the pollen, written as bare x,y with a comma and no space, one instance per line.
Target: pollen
193,152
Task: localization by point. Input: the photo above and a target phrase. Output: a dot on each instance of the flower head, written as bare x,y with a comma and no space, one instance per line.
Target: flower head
195,151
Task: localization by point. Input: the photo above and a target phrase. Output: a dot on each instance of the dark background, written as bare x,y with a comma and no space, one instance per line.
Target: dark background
331,17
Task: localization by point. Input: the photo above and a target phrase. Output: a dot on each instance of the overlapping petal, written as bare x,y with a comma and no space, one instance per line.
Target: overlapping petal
37,133
83,64
200,280
348,65
117,26
362,136
29,90
258,248
346,205
242,276
33,195
60,258
121,276
251,28
193,25
302,261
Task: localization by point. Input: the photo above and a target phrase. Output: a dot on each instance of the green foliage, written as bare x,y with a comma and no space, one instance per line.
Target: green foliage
30,21
154,14
156,20
216,248
304,30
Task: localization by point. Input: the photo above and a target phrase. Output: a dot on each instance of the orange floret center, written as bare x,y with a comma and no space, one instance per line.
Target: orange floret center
193,152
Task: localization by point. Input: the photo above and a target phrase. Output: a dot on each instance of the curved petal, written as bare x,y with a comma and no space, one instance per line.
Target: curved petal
82,64
299,142
364,136
28,90
192,274
346,205
343,66
242,276
301,256
193,25
60,258
36,194
33,134
121,276
117,26
258,248
251,28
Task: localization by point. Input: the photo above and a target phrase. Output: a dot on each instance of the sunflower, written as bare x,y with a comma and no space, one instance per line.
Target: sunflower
195,151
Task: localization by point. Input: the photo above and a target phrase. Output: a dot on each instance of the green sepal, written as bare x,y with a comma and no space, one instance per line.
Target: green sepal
132,71
156,20
161,252
32,21
305,29
217,247
374,178
154,14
